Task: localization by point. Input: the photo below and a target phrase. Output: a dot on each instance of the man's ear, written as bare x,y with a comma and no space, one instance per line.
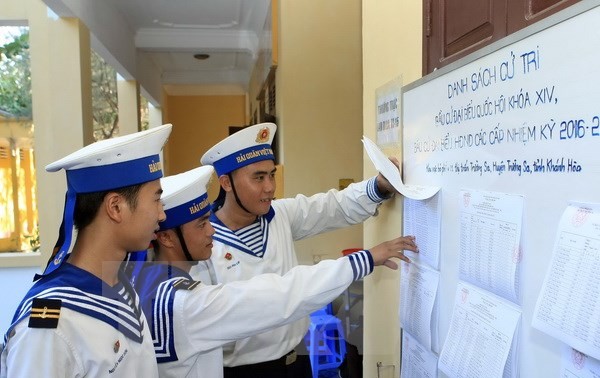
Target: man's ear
225,182
166,238
114,204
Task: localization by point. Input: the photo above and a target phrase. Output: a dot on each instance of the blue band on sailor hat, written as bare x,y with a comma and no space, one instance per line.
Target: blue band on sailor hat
243,158
116,175
186,212
185,197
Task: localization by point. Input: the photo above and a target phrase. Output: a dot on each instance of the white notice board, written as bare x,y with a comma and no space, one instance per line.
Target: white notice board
523,118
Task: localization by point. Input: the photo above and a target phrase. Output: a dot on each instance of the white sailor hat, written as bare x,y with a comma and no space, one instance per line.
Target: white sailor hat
185,196
247,146
105,165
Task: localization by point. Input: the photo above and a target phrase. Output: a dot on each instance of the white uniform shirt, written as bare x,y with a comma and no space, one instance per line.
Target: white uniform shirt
96,335
192,321
289,220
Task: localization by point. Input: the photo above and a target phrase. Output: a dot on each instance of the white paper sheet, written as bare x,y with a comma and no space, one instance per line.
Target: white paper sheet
490,234
417,361
568,306
483,330
422,219
392,174
578,365
418,302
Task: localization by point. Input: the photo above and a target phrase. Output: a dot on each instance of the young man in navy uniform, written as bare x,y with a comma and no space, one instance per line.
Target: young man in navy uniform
255,234
191,321
82,317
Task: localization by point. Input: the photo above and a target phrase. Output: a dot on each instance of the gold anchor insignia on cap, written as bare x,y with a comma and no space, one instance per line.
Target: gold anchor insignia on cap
263,135
116,346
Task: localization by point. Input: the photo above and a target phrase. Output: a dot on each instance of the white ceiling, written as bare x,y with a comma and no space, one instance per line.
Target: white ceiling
168,33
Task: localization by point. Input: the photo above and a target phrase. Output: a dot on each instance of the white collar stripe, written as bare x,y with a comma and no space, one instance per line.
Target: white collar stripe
161,316
111,305
234,243
162,330
110,311
78,296
91,308
220,228
251,229
157,311
251,239
254,243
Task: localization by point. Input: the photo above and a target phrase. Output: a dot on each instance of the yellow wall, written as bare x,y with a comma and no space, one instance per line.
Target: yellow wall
19,129
391,48
199,122
319,106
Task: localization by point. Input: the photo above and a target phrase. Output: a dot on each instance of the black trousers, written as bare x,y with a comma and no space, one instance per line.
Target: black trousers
276,368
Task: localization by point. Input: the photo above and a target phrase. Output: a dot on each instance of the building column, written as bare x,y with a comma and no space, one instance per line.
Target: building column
62,107
128,93
154,116
155,119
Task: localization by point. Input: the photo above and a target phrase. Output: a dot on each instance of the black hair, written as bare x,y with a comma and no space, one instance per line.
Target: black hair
155,246
218,203
87,204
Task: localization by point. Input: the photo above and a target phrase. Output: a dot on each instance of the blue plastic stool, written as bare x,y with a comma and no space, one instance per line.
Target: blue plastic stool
325,341
325,310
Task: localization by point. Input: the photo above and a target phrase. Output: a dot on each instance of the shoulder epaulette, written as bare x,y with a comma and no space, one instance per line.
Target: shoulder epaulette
185,284
44,313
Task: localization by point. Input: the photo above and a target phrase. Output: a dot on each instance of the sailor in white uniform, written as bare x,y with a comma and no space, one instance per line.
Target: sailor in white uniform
255,234
191,321
82,318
